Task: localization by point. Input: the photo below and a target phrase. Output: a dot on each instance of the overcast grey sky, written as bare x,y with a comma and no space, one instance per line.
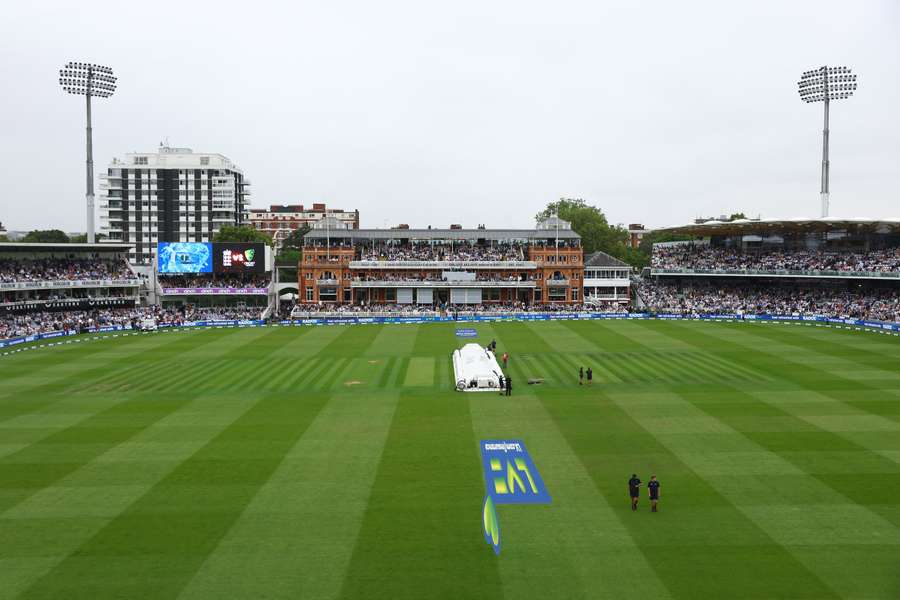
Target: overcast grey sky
466,111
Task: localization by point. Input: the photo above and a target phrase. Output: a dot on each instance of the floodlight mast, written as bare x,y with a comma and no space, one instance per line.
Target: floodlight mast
86,79
823,85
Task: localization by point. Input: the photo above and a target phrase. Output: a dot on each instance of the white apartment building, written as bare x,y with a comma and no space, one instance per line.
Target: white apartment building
172,195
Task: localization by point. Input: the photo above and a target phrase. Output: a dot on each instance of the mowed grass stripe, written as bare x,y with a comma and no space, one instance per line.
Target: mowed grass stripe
424,510
611,446
292,381
281,369
797,435
399,373
296,537
748,485
602,371
27,470
167,530
804,375
678,539
45,393
579,539
331,374
44,529
385,374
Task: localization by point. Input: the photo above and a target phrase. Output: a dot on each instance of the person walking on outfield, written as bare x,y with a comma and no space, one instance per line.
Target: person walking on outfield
508,385
590,374
580,375
653,488
634,490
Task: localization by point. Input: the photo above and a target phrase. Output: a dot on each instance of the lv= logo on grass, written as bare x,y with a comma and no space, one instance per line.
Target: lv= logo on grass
510,477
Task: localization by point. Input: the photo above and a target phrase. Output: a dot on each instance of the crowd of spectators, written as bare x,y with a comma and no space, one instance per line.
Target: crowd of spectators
700,256
80,320
12,326
301,310
225,313
874,304
214,281
443,252
414,277
64,269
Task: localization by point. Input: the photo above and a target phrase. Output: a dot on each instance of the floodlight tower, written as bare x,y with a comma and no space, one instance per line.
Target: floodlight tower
86,79
824,85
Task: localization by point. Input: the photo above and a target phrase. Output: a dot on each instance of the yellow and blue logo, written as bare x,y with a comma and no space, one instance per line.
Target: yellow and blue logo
510,477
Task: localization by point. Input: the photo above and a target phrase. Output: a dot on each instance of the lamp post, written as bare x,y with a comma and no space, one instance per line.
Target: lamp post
824,85
88,80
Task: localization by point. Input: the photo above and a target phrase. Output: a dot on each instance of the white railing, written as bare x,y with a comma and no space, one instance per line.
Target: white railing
69,283
442,264
443,284
301,314
780,273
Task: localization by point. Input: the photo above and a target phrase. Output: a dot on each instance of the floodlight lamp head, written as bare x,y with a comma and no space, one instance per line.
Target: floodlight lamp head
87,79
826,83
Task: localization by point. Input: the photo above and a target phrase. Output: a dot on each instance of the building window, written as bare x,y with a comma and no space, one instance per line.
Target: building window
140,160
309,294
328,294
390,295
556,294
574,294
204,160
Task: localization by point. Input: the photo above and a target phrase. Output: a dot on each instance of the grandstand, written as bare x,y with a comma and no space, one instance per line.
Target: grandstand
845,268
442,268
52,287
209,281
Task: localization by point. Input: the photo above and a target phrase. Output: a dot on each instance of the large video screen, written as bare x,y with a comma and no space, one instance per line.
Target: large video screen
239,258
184,257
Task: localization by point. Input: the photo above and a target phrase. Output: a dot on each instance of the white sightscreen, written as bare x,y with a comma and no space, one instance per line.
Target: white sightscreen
425,296
404,295
465,296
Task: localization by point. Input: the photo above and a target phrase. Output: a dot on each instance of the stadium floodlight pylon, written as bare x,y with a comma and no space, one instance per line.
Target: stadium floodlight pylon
824,85
88,80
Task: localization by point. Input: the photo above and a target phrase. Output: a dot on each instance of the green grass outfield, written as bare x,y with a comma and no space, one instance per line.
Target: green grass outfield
337,462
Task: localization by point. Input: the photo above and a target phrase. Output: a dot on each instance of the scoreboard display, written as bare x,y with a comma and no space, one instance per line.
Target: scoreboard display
239,258
184,257
204,257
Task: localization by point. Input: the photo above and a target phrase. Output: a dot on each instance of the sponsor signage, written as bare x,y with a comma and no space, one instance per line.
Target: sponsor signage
510,477
213,291
466,332
205,257
239,258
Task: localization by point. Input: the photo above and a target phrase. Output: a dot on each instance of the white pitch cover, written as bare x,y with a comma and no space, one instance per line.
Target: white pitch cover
475,369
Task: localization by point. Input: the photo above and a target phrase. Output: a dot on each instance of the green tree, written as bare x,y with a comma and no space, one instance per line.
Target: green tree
736,216
82,238
590,223
288,257
46,236
241,233
294,241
